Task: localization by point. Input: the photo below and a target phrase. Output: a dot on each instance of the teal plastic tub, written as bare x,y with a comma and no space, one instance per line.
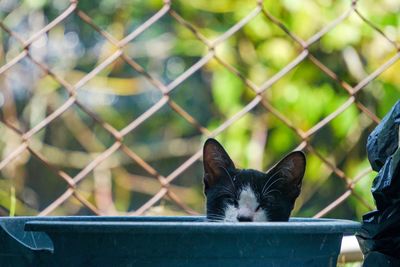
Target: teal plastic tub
169,241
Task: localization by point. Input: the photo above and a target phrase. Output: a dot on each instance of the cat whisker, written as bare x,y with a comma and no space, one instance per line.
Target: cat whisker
226,190
269,186
230,177
261,196
271,191
269,179
215,217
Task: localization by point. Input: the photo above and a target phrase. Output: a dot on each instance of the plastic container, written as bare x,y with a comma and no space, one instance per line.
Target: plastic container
169,241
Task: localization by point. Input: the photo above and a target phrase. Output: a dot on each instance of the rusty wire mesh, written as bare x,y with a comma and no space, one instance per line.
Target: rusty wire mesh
118,145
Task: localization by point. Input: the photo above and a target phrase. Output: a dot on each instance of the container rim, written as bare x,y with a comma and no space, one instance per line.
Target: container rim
182,224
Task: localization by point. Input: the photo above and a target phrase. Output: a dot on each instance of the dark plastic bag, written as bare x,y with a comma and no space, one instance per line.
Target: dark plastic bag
379,237
384,139
386,185
377,259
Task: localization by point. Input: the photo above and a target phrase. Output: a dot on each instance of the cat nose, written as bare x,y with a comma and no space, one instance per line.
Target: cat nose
244,219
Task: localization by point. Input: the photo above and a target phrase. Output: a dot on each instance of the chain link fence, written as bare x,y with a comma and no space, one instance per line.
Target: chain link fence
97,196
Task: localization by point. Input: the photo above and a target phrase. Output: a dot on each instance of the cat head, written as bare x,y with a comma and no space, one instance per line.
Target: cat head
248,195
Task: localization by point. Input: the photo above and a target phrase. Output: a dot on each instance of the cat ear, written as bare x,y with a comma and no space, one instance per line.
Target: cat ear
216,162
291,168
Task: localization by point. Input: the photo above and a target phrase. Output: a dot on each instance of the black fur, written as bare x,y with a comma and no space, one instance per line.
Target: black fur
223,183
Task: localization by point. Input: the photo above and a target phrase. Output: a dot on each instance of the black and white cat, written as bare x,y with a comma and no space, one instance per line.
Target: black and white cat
247,195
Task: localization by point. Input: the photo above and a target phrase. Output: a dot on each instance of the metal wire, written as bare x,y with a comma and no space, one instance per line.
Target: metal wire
166,89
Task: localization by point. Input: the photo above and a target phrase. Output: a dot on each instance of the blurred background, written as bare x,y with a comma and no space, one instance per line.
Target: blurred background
114,99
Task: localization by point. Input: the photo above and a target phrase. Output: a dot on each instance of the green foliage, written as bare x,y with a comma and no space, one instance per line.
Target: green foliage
213,94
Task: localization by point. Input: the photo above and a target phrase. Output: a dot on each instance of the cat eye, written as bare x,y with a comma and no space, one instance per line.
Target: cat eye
258,208
232,201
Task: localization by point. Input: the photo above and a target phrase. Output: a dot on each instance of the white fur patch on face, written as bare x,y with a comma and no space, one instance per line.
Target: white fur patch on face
247,208
247,203
231,213
260,216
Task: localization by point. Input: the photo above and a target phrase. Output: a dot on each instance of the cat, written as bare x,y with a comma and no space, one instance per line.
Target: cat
246,195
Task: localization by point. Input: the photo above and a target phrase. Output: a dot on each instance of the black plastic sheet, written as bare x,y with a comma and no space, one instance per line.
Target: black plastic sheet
384,139
379,237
